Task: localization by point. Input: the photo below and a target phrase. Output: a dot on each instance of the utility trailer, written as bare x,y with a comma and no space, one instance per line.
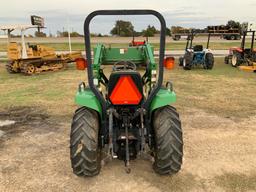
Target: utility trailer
178,33
225,32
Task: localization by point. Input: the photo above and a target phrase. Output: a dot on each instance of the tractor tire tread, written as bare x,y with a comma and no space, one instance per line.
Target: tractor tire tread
209,60
168,141
84,149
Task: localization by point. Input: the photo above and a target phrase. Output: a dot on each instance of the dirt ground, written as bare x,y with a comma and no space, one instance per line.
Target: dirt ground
34,157
219,146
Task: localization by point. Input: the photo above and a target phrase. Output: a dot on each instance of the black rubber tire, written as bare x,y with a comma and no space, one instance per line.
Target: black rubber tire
236,60
168,151
209,60
187,61
85,153
226,60
176,38
181,61
232,37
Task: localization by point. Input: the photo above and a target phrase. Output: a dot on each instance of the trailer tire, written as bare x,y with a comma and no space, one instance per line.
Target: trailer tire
209,61
85,153
232,37
168,151
176,38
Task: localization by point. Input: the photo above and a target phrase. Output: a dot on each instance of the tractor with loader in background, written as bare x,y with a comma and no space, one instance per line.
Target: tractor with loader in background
243,57
196,55
128,113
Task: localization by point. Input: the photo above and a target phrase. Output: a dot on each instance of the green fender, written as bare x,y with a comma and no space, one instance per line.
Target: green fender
86,98
163,97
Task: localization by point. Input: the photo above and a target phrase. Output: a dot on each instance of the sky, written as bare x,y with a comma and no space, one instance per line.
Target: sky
61,14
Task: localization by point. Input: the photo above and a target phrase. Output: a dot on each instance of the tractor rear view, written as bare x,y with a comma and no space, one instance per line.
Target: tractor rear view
196,55
126,114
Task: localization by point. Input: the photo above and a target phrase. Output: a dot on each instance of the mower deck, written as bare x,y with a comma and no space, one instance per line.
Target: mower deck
248,68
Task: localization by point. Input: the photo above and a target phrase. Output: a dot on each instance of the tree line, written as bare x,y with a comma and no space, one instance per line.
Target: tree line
126,29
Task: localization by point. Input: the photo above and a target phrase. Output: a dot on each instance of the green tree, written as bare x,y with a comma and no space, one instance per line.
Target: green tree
168,32
233,24
65,34
179,29
150,31
75,34
40,34
123,28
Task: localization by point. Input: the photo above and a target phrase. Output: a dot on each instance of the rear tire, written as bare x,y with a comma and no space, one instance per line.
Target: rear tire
187,61
168,141
209,61
181,61
226,60
84,150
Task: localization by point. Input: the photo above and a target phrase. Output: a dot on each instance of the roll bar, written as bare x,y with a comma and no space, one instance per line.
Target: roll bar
88,19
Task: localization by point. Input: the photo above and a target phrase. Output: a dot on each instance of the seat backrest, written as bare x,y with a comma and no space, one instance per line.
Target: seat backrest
198,48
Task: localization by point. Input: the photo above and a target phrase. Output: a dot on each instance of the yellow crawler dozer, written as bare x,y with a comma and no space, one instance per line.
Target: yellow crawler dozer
39,58
31,59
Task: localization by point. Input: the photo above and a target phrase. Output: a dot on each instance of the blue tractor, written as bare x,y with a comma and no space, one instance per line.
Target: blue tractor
196,55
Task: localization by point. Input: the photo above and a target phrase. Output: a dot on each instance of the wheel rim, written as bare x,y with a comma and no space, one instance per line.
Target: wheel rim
30,69
234,60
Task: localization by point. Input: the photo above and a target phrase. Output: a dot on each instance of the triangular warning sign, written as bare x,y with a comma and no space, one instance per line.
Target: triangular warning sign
125,92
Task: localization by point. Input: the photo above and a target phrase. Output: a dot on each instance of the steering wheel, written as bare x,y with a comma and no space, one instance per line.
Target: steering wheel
126,65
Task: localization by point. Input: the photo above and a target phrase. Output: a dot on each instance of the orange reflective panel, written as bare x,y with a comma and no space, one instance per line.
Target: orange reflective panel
125,92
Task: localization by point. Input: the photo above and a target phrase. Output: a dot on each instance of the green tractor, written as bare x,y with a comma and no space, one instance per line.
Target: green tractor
128,113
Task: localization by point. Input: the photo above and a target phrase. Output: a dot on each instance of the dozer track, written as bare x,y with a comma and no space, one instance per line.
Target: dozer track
12,67
39,66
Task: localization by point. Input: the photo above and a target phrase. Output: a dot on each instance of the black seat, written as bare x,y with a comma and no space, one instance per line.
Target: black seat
198,48
114,77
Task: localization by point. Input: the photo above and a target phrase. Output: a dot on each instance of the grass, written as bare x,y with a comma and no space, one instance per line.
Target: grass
169,46
224,90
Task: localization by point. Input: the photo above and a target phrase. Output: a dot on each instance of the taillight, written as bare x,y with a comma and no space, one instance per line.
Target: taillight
125,92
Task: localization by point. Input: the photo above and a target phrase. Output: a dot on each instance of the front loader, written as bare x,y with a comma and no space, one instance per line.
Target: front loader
127,114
